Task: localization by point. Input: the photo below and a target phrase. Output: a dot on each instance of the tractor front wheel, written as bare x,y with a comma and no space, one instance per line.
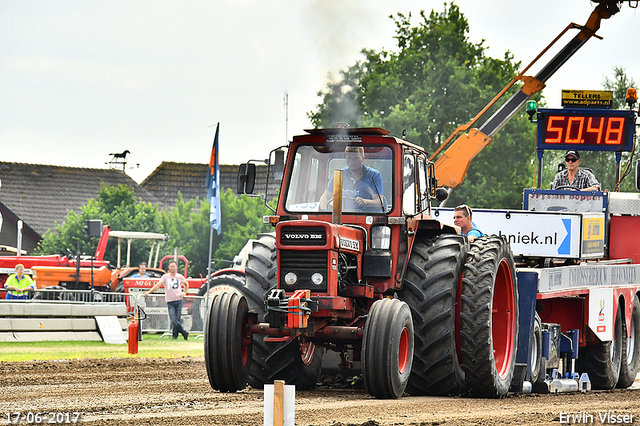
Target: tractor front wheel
387,348
227,347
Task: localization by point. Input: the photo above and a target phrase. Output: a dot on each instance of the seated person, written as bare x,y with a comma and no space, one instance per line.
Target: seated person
142,271
18,285
574,176
462,218
361,186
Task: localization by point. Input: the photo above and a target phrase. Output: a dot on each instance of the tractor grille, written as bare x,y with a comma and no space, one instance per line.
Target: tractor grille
303,264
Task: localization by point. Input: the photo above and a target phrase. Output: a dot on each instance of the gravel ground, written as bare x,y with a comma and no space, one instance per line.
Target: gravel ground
176,392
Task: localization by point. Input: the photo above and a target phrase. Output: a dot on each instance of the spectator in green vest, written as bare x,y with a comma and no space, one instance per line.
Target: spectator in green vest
18,285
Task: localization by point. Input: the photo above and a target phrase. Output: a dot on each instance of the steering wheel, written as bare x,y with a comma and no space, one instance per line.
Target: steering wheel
70,255
573,188
330,201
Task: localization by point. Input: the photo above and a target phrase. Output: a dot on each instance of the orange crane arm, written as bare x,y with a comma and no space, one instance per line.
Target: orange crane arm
451,166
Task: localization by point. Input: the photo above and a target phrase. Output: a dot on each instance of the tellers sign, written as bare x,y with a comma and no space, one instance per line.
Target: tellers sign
586,129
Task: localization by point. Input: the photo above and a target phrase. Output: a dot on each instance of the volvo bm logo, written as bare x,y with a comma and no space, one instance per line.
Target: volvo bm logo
305,236
300,236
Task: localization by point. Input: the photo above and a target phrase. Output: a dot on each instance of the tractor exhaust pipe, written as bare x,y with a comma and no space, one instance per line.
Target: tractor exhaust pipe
336,217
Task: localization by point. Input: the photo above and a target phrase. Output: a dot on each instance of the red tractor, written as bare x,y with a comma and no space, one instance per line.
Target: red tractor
381,280
360,264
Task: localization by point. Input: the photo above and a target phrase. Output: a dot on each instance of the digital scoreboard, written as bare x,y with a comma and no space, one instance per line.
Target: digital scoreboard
586,129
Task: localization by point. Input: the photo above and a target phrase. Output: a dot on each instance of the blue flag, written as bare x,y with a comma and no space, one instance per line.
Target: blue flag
213,185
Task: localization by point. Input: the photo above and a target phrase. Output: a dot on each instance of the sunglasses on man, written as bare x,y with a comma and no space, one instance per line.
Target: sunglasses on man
571,159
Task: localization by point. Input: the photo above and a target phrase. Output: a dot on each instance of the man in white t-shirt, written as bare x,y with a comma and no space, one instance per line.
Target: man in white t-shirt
174,294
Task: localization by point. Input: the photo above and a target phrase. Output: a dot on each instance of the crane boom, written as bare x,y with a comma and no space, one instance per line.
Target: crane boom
451,167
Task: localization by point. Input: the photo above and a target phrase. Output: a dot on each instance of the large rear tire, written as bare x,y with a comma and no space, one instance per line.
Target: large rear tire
431,288
602,361
295,361
387,348
630,349
227,347
489,312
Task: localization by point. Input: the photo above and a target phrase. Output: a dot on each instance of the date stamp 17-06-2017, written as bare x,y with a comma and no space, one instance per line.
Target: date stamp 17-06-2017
38,418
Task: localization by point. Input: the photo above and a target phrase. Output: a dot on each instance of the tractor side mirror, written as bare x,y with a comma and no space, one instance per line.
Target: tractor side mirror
246,178
278,165
441,194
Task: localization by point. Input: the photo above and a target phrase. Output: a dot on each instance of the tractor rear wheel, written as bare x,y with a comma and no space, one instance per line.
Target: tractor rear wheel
631,348
297,362
387,348
227,347
489,314
431,288
602,361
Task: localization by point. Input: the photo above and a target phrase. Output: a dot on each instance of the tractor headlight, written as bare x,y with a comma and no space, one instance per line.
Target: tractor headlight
290,278
317,278
380,237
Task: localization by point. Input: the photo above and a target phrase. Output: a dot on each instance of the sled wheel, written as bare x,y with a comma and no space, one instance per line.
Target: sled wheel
431,288
535,359
630,349
488,317
227,348
295,361
387,348
602,361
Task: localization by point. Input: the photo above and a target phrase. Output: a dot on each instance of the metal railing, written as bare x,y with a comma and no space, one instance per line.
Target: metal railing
152,309
155,315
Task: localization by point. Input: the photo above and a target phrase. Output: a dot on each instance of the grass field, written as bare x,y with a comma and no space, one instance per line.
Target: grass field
151,346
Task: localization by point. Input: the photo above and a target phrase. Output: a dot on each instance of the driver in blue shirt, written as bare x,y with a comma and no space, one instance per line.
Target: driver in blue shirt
362,185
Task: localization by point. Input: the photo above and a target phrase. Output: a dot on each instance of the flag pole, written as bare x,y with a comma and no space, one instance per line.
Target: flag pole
209,268
213,195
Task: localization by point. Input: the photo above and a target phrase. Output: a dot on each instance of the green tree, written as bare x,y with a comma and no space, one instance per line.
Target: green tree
241,221
188,227
435,81
115,206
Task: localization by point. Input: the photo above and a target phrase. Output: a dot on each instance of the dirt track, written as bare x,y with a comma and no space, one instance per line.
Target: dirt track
177,392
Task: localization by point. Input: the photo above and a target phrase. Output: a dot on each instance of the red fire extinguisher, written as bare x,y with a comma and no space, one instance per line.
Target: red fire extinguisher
133,335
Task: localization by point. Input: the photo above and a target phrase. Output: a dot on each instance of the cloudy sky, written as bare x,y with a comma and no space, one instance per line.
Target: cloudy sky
80,80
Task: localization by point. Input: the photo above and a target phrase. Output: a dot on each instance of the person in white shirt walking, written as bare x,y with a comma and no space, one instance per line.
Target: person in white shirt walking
175,289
